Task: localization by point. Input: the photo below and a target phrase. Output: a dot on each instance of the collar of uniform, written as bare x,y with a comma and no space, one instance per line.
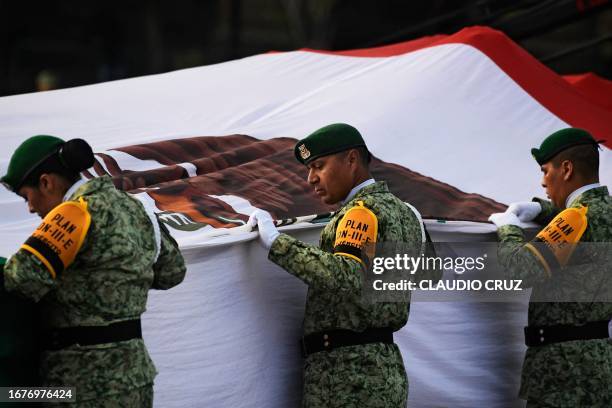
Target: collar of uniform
574,197
73,189
356,189
93,185
377,187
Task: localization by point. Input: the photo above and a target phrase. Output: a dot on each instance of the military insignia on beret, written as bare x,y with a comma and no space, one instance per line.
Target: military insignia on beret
304,152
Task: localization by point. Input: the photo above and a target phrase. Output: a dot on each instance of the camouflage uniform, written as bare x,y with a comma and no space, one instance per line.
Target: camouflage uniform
574,373
107,283
371,375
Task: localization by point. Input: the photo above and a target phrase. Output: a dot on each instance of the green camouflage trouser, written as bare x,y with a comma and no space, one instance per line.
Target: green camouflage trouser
136,398
368,376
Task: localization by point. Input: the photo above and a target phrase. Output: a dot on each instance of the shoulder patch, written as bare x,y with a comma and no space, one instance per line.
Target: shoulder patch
59,237
357,228
555,244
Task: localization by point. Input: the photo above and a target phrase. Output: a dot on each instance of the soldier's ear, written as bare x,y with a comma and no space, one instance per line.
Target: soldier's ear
353,156
567,169
48,183
44,182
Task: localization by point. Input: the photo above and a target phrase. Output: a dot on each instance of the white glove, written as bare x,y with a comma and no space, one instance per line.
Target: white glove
267,230
525,210
505,218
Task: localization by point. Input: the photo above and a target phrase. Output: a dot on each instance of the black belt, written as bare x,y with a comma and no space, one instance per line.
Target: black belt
58,339
543,335
332,339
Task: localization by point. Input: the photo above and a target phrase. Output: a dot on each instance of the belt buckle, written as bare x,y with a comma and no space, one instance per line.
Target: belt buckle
326,342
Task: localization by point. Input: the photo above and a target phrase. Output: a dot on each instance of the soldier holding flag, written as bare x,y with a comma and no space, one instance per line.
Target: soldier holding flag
89,265
350,357
569,353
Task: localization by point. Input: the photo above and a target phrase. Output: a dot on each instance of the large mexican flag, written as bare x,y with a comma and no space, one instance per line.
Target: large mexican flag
450,121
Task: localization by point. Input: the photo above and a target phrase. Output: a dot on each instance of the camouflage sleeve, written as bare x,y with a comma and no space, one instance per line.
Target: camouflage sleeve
549,211
518,261
317,268
170,266
26,274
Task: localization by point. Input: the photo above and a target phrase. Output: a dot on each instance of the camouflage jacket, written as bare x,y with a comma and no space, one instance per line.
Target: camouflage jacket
564,371
107,282
334,281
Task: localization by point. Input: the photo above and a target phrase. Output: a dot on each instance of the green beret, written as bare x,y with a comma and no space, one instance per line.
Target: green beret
27,157
327,140
561,140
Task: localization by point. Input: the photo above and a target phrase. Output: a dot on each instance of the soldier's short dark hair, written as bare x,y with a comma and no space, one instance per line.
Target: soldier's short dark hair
364,155
584,157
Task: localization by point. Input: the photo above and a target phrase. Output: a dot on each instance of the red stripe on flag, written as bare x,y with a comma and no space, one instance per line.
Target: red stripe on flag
580,106
593,87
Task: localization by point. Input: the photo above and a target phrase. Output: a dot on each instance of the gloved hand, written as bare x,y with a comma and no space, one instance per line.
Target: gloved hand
525,210
505,218
267,230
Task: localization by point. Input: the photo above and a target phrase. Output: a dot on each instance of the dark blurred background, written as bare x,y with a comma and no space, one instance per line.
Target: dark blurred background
58,44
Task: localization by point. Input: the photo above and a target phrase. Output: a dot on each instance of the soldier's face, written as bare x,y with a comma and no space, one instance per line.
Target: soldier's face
42,198
554,182
331,176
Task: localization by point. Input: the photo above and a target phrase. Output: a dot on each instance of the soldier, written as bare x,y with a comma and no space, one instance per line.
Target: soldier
350,357
569,353
89,264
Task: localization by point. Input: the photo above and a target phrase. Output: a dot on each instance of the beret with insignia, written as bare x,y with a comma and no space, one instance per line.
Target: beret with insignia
561,140
328,140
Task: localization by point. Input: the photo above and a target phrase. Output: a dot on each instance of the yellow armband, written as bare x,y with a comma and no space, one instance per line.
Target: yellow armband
60,236
554,245
356,234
